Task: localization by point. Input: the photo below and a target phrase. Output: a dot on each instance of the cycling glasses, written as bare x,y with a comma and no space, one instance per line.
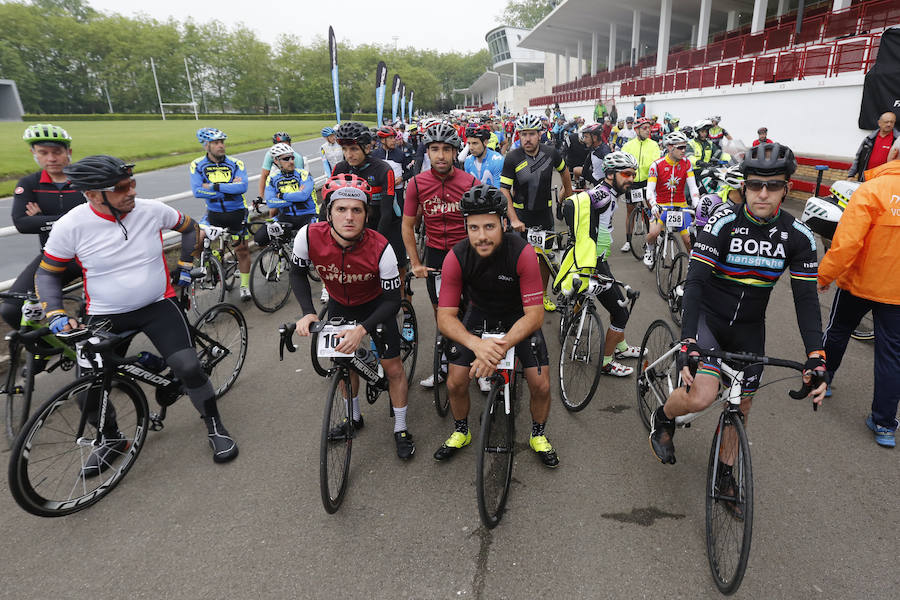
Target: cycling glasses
628,174
682,148
774,185
286,157
122,187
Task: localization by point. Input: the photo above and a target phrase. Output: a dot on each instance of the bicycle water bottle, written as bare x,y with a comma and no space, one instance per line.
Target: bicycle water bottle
151,362
375,358
408,333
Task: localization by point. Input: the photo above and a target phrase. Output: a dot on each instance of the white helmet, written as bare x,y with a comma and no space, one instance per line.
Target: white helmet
675,138
618,161
701,124
280,149
731,176
529,122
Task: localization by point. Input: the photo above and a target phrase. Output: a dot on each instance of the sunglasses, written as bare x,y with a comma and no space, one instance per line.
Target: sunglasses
756,185
628,174
286,157
682,148
122,187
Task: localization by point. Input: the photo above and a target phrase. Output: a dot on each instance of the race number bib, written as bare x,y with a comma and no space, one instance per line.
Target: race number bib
537,238
507,362
674,219
637,195
328,341
85,361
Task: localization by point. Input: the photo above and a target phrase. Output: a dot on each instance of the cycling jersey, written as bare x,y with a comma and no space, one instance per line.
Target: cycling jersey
486,169
703,151
297,192
666,182
268,161
384,213
223,196
716,133
529,177
493,142
589,218
644,152
54,201
592,169
331,155
736,261
439,199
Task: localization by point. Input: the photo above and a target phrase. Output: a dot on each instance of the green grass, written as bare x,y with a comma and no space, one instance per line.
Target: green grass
151,144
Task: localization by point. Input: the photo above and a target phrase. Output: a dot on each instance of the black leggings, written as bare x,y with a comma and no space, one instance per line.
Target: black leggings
618,314
11,310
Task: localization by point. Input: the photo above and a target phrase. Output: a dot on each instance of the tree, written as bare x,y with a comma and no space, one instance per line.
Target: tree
527,13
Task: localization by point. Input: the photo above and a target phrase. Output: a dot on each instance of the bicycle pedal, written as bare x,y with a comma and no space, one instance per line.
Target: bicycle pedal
156,422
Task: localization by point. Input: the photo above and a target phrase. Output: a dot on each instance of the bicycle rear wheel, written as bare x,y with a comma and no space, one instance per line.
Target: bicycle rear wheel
46,463
654,383
220,338
640,227
729,503
19,388
334,452
439,368
270,280
493,472
409,349
209,290
580,360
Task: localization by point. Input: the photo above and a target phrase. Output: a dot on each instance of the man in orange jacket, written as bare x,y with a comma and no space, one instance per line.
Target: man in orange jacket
861,259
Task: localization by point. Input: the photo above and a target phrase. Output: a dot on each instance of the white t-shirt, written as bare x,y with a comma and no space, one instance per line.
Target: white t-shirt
119,275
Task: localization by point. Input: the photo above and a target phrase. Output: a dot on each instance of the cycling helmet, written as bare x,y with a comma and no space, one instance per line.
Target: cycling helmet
442,132
674,120
386,131
481,132
641,122
731,176
702,124
210,134
326,131
675,138
593,129
353,132
413,129
769,159
482,199
46,134
716,118
428,122
280,150
529,122
97,172
618,161
688,131
280,137
346,185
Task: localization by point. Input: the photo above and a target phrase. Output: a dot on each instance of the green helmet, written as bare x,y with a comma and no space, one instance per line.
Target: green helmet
46,133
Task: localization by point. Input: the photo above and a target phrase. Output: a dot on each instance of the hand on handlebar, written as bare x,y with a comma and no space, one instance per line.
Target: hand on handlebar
687,358
350,339
515,224
488,354
304,322
63,323
421,271
814,375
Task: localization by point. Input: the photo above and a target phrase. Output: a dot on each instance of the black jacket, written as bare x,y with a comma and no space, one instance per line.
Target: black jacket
861,162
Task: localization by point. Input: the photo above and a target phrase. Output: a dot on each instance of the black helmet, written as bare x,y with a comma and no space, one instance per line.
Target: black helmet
281,137
97,172
353,132
481,200
481,132
769,159
442,132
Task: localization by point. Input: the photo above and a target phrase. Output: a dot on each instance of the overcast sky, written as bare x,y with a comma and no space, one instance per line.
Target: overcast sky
416,22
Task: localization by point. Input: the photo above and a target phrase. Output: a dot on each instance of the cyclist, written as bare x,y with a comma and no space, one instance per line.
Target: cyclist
645,151
483,162
728,194
436,193
526,180
592,169
358,267
666,182
589,218
498,273
390,150
716,133
703,151
280,137
330,150
39,200
738,257
126,282
290,194
221,181
423,163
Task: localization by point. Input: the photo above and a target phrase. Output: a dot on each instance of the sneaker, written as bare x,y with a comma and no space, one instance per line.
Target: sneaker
626,247
456,441
630,352
883,436
545,451
405,446
549,306
103,457
616,369
662,430
648,257
223,445
484,384
428,382
339,432
324,297
245,294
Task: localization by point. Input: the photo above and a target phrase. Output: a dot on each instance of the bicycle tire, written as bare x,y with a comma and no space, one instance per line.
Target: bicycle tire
639,229
580,360
314,347
409,350
676,272
19,389
226,329
441,395
723,528
663,265
270,279
208,290
334,455
497,445
53,426
651,393
230,267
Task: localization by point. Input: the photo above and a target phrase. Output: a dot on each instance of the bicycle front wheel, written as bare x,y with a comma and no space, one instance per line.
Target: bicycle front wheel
493,472
580,360
270,279
220,338
337,440
409,348
665,261
19,387
207,291
729,503
676,274
655,378
640,227
48,471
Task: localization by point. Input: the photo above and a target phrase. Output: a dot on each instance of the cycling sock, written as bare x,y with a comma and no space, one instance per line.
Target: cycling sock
204,399
356,414
461,425
400,418
622,346
537,429
628,237
245,280
607,360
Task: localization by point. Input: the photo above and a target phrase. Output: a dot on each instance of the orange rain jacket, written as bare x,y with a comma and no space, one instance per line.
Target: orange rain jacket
866,246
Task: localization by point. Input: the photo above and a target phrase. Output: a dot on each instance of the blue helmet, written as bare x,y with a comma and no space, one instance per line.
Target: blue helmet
209,134
326,131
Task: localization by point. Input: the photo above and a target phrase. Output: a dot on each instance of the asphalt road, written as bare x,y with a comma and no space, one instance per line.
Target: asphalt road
610,522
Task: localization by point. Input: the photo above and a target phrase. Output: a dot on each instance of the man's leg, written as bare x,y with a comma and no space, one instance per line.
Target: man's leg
887,371
680,402
393,369
650,247
11,310
458,390
846,312
629,226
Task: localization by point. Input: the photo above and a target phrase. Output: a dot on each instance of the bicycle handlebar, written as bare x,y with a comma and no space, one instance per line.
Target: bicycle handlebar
599,283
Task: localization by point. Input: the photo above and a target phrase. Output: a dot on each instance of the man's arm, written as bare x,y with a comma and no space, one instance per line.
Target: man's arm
197,182
190,237
239,181
850,235
25,223
803,269
387,204
704,256
692,189
299,266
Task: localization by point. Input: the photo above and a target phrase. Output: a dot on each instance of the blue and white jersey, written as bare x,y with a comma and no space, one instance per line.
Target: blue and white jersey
488,169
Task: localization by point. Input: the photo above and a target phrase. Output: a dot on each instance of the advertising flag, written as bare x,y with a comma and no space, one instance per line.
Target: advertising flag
332,48
410,105
402,100
380,83
395,97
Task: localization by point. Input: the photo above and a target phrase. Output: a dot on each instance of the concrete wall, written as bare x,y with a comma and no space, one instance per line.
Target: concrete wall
815,117
515,99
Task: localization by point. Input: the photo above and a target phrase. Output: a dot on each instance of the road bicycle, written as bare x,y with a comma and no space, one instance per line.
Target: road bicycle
208,287
107,409
669,261
337,425
270,274
581,352
640,223
729,476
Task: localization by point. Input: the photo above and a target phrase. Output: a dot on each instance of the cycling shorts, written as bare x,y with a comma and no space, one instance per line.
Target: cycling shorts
434,259
234,221
536,218
686,223
717,334
163,322
475,319
390,334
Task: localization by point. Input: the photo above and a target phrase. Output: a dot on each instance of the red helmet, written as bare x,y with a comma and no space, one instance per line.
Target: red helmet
352,186
387,131
642,121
